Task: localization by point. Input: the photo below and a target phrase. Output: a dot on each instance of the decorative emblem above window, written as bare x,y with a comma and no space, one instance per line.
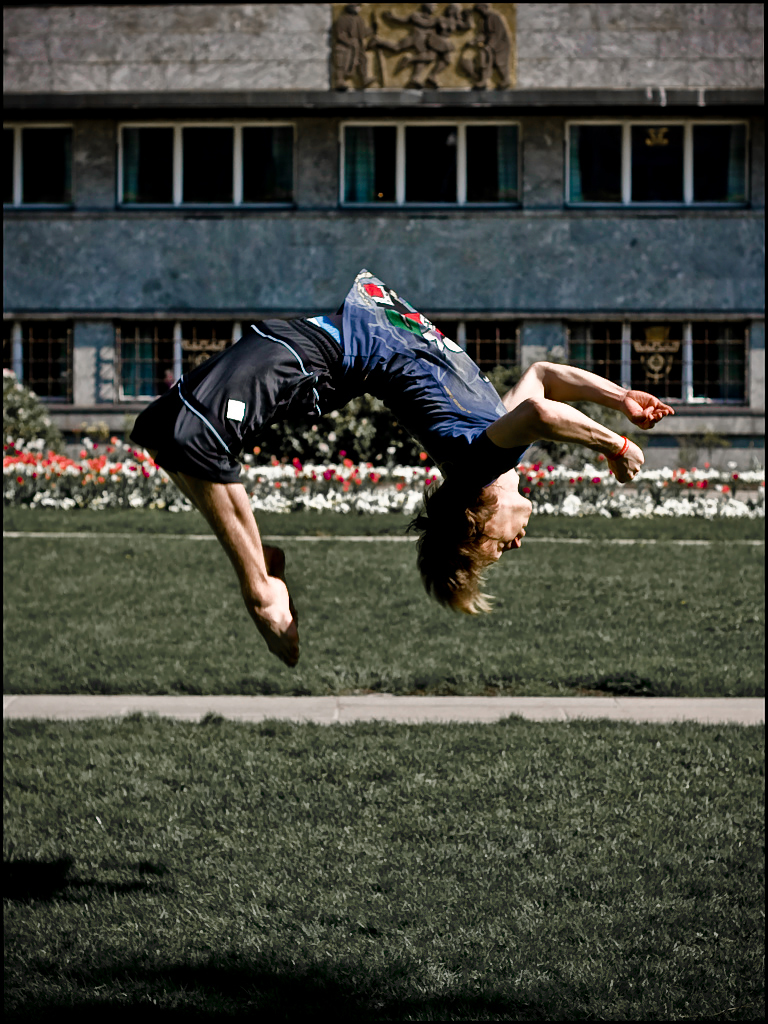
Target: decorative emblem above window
656,353
423,46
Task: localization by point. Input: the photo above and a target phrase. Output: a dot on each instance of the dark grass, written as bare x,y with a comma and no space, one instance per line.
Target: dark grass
333,524
155,614
515,871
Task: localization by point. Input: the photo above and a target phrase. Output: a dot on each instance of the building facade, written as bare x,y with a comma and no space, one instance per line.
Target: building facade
582,182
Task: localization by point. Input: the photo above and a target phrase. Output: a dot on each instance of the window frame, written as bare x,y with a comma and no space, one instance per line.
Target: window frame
177,169
177,342
687,398
461,125
18,165
688,124
18,326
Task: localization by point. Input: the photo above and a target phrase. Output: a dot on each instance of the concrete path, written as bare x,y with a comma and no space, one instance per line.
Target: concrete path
385,707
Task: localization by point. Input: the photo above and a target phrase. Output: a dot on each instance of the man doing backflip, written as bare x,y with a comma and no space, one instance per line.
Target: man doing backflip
378,344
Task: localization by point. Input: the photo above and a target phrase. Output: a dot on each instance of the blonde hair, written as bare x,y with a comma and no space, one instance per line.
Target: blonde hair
450,558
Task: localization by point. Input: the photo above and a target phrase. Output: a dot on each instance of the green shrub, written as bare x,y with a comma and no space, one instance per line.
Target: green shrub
25,420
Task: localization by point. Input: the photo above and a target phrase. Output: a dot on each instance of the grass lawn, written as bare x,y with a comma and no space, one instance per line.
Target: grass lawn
517,871
152,614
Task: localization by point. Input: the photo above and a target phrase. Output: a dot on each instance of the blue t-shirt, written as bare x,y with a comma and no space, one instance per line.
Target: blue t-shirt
428,382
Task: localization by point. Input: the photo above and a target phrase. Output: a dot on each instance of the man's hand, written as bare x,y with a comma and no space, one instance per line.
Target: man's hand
628,465
644,410
275,620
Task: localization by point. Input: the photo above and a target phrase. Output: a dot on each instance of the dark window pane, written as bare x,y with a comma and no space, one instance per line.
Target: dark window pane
657,163
8,134
267,165
492,164
596,347
207,175
46,155
369,164
719,362
719,168
595,163
146,358
430,164
657,359
47,355
148,165
492,342
202,339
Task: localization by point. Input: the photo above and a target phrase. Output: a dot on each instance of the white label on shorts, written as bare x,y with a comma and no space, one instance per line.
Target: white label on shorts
235,410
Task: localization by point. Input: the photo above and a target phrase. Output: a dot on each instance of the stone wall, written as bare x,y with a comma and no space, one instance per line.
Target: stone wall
303,262
244,47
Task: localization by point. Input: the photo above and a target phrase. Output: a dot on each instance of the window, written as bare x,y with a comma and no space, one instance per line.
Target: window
427,163
205,164
153,355
145,355
490,343
680,361
37,165
40,354
677,162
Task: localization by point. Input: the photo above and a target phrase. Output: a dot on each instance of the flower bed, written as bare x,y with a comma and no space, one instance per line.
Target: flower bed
116,475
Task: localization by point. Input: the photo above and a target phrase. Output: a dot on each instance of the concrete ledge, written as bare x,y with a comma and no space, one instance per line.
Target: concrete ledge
386,707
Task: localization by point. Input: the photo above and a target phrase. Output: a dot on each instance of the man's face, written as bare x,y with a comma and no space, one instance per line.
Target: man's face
505,530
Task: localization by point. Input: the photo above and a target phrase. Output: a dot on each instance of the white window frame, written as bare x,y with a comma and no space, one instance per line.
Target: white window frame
688,125
687,396
400,169
178,165
18,127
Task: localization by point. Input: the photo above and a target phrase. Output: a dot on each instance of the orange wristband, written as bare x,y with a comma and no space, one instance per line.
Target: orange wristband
622,452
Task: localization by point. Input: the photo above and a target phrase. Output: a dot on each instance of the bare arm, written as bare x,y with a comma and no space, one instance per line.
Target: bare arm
537,412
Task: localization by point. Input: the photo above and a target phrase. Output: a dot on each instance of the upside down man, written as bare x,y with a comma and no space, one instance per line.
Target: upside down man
378,344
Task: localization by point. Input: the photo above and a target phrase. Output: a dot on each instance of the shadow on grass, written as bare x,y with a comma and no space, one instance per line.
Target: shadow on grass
260,990
27,880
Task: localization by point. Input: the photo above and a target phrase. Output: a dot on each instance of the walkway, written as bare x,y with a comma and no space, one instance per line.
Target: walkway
385,707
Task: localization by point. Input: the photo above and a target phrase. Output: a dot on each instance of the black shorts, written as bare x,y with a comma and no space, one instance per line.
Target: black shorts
279,369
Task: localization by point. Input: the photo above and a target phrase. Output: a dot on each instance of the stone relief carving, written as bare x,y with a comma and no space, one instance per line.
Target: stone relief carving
417,46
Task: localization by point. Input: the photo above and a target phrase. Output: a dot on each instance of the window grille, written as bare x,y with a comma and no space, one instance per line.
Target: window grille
152,356
40,354
200,340
489,343
211,164
428,163
37,165
657,163
145,356
688,362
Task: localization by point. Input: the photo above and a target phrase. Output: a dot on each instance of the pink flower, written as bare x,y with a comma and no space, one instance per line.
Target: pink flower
595,479
328,474
342,454
550,469
735,476
423,455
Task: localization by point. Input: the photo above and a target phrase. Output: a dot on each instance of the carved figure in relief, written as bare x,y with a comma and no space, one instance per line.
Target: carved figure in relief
429,39
350,37
493,49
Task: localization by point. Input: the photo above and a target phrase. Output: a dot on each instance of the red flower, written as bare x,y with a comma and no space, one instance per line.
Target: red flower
19,479
342,454
526,490
348,463
400,486
735,476
423,456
